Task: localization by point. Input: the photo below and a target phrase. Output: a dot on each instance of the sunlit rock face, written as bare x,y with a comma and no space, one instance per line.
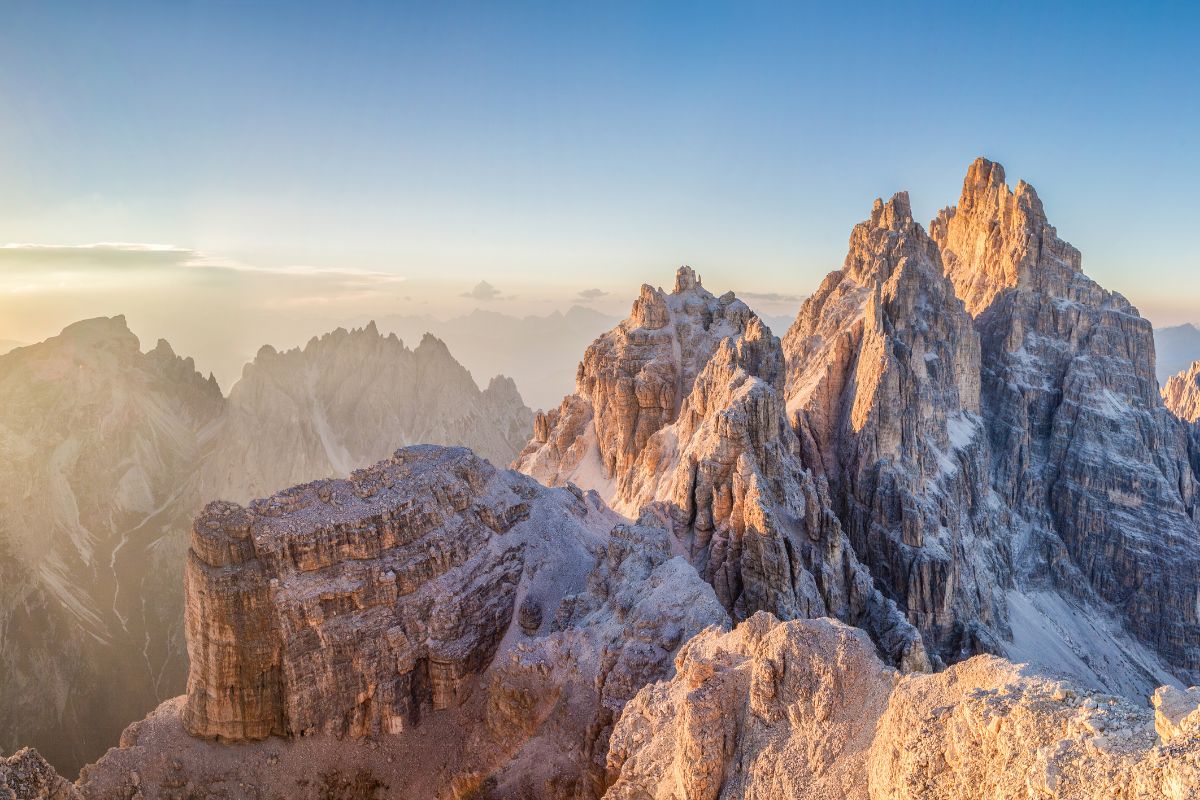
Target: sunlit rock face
805,709
722,468
433,626
883,390
1181,394
1094,468
350,398
99,442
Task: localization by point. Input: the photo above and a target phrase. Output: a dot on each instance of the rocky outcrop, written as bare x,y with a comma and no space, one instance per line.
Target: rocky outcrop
432,627
350,398
989,728
26,776
883,390
1095,470
631,383
722,469
99,442
769,710
805,709
1181,395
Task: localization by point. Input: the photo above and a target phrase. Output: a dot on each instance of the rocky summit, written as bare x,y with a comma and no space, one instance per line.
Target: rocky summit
940,541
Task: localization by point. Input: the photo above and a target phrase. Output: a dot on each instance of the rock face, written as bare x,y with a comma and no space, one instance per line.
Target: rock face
805,709
108,454
350,398
631,383
883,390
478,630
989,728
98,439
1095,470
679,416
1181,394
769,710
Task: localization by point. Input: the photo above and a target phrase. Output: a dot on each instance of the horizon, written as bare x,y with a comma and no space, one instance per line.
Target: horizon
425,161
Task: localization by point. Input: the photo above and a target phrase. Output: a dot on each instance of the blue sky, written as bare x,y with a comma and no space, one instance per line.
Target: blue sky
549,148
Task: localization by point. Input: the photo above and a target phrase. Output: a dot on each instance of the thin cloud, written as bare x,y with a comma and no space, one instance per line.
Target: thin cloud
132,255
772,297
483,291
591,294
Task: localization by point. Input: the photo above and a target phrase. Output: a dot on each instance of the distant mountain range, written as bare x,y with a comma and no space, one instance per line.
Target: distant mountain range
108,452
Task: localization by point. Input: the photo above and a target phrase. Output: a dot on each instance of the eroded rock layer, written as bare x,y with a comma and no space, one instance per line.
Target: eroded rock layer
481,631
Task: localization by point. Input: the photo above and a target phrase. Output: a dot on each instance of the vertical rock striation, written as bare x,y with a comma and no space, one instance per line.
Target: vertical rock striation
883,390
723,468
1094,467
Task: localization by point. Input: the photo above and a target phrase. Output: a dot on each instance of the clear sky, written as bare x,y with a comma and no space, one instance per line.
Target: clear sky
552,148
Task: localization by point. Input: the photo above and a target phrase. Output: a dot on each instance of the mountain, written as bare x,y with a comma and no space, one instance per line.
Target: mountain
109,453
1181,393
1094,469
678,417
100,442
7,345
538,352
1176,348
883,391
941,540
349,398
806,709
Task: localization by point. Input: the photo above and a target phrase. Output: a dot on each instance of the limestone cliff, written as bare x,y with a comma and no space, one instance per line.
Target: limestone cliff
722,467
1094,468
431,627
883,390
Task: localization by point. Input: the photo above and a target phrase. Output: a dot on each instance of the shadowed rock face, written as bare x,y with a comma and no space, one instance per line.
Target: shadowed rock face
724,470
1094,468
883,390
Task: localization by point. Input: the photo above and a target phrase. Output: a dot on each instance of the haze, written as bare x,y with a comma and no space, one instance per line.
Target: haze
276,171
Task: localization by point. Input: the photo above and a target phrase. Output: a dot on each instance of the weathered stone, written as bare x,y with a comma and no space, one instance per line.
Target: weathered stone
1094,469
724,470
883,390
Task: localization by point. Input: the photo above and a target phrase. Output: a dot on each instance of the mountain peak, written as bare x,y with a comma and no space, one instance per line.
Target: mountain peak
895,214
983,174
100,331
996,236
686,279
